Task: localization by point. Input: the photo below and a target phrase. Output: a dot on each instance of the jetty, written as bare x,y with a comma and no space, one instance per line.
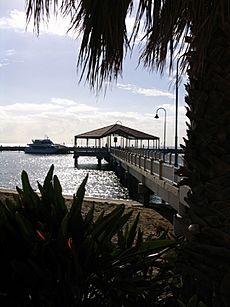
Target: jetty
105,138
138,161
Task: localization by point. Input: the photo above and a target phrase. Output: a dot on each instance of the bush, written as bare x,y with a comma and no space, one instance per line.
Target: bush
52,256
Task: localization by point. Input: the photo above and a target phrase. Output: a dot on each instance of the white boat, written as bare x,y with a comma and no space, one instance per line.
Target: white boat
45,146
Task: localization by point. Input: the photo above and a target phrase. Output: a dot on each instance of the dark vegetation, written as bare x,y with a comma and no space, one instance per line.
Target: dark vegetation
55,256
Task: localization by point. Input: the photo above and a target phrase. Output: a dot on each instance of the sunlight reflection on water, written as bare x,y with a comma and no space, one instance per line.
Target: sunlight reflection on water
101,183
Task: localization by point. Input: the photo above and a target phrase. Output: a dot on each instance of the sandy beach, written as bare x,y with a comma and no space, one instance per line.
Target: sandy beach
151,222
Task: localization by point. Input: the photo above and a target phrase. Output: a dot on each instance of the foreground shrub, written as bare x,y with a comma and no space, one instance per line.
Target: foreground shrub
52,256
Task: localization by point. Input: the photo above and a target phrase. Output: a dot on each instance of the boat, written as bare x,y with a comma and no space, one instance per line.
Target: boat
45,146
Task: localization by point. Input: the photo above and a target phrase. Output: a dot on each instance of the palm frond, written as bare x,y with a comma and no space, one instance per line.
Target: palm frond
165,29
102,24
104,38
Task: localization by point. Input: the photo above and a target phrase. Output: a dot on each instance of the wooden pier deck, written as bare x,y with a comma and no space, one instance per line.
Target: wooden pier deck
147,167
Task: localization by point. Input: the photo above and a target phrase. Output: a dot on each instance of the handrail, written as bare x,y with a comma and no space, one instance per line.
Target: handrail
150,164
90,149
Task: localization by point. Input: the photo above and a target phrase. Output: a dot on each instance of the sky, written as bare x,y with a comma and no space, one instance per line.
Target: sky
40,94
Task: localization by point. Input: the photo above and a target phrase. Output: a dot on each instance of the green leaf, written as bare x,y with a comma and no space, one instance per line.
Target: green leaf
24,226
59,199
120,239
47,191
89,217
180,303
99,218
132,232
123,220
150,247
139,240
5,212
20,196
87,254
117,229
64,227
79,196
201,304
115,226
40,187
10,206
157,244
76,227
48,178
192,301
30,198
75,209
106,224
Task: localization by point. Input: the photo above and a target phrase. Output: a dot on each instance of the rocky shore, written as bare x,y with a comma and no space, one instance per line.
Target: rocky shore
151,222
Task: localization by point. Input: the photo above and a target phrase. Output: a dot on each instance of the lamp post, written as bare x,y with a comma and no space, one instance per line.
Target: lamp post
176,111
157,116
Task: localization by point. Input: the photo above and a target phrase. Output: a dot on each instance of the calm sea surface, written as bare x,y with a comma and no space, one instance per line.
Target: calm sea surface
101,183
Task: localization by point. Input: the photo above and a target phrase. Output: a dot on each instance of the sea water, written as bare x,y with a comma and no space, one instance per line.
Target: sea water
101,183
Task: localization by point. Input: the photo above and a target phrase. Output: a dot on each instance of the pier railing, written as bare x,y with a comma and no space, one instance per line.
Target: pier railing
91,151
157,175
151,163
155,154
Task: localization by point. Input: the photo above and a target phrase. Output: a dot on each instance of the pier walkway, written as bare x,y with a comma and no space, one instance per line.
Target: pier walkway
153,174
147,167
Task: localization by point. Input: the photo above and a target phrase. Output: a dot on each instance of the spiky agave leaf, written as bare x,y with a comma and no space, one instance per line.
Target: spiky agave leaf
75,218
29,196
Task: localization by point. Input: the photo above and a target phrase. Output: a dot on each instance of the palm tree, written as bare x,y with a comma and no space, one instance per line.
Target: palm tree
200,30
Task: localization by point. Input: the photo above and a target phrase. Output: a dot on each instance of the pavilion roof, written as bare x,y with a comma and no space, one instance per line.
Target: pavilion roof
118,130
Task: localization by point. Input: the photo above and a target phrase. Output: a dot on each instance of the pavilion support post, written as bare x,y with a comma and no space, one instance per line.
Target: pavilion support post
75,160
99,162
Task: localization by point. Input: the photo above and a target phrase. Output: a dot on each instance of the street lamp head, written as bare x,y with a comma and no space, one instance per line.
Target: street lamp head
156,116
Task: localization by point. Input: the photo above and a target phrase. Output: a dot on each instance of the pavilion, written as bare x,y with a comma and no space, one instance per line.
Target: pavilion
117,135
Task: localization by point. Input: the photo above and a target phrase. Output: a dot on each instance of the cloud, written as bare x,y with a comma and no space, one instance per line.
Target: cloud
59,118
10,52
62,118
2,64
17,22
63,101
55,107
4,61
149,92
